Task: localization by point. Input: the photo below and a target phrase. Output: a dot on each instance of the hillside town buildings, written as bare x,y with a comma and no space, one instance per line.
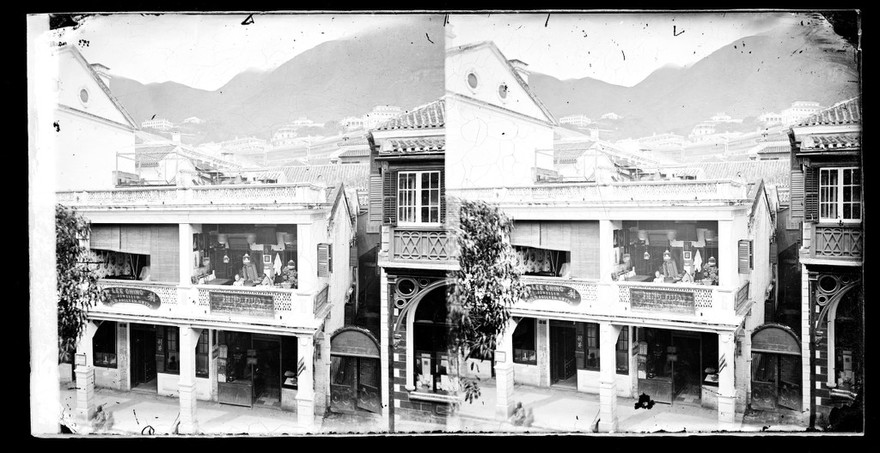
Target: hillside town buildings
311,275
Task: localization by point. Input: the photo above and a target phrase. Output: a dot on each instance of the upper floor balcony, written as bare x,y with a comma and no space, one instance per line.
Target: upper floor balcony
423,247
263,307
640,193
840,244
231,195
651,304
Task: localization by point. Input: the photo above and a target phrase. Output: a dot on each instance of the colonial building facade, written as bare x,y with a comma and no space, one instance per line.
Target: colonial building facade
227,293
826,192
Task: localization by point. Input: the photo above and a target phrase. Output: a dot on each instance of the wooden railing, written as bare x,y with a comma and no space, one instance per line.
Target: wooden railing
837,242
421,244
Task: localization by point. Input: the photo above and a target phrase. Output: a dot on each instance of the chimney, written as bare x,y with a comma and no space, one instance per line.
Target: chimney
521,69
103,72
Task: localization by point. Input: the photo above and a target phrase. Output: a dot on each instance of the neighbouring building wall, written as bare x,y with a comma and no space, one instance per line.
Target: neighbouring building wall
490,149
85,151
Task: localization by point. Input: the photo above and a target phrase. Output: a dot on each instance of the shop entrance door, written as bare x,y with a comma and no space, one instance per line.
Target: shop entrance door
774,381
143,355
354,385
686,361
562,352
267,371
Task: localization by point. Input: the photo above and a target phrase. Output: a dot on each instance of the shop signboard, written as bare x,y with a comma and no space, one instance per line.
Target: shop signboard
262,305
662,301
125,295
554,292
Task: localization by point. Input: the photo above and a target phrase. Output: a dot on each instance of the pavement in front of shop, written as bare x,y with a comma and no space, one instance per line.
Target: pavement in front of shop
564,410
555,411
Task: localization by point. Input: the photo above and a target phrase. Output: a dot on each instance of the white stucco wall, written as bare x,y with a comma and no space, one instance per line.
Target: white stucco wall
86,145
490,141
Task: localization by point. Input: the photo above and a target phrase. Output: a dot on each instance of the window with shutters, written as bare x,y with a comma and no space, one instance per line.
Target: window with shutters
746,256
840,195
418,197
325,260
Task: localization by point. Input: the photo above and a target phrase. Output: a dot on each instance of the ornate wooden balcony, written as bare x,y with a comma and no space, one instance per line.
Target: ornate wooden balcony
833,242
418,247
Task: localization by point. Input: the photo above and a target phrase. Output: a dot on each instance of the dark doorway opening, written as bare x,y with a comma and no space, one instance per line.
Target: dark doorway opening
562,354
143,357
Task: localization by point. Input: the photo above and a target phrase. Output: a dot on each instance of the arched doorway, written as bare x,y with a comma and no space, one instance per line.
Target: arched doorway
431,342
776,368
354,371
848,343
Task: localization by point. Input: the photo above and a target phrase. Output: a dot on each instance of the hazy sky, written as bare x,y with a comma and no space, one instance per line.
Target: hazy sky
205,51
619,48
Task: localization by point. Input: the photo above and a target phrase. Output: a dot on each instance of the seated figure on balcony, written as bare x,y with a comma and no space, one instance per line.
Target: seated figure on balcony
669,269
249,270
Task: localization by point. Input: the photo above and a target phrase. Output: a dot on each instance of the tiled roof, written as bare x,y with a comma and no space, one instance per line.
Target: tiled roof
356,176
845,112
775,172
356,152
429,116
775,149
831,141
416,145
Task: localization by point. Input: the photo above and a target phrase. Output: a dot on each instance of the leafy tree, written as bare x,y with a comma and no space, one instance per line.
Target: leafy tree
485,287
77,284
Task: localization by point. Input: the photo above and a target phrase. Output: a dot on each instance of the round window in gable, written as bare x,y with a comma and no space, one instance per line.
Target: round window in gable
502,91
472,80
84,96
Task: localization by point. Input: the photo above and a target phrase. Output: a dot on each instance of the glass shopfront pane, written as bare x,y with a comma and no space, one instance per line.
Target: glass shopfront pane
524,342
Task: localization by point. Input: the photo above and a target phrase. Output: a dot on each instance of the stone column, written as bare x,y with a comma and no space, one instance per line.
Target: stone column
504,404
85,375
305,394
608,334
726,381
189,338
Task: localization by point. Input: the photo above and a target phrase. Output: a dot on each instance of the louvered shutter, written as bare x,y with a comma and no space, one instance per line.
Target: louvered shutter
375,206
811,194
797,194
104,237
389,202
744,256
164,253
353,255
323,260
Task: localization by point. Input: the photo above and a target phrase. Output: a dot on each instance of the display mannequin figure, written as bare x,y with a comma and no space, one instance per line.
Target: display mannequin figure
249,270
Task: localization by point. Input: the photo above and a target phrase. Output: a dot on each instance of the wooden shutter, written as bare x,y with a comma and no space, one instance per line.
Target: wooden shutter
744,256
164,253
797,194
104,237
375,205
353,255
442,196
323,260
811,194
389,198
134,239
526,234
585,250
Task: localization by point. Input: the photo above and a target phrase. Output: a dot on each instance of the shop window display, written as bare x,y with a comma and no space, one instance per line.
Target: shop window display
622,351
431,344
667,252
104,345
289,361
543,262
524,350
592,346
168,349
202,355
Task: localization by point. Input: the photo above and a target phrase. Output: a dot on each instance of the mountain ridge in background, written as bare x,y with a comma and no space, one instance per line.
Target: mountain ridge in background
328,82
